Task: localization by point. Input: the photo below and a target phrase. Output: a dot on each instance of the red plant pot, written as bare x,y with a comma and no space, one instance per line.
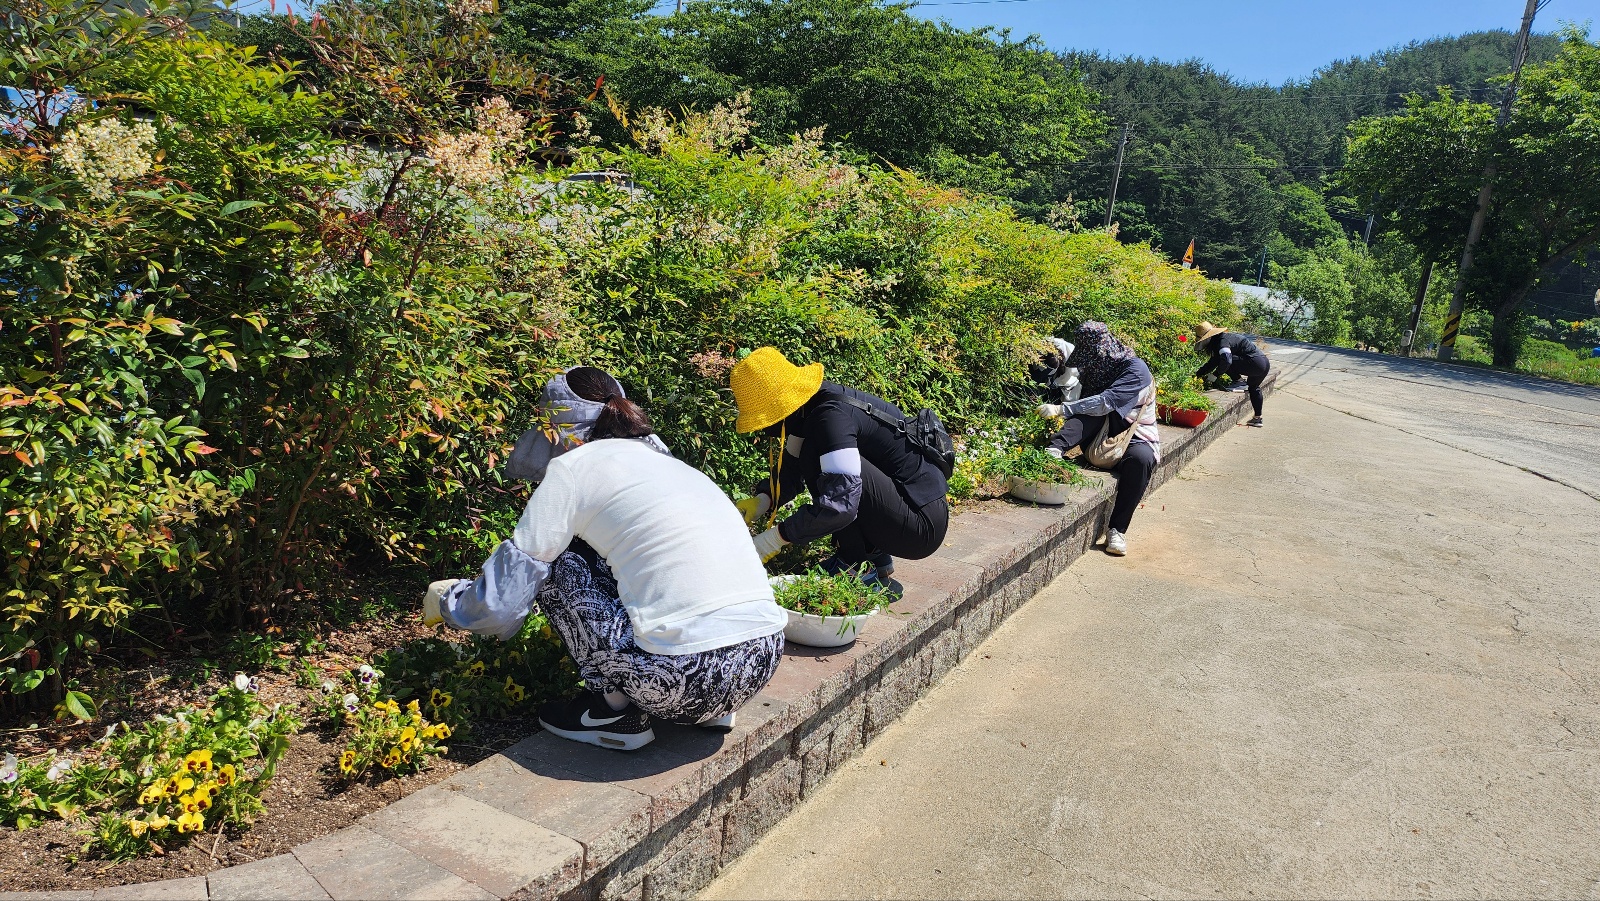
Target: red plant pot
1187,419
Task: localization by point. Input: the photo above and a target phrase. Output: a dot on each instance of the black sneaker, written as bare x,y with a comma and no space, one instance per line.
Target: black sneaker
589,719
877,568
1255,421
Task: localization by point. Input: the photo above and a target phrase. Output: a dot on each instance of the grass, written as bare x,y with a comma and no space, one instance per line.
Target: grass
824,595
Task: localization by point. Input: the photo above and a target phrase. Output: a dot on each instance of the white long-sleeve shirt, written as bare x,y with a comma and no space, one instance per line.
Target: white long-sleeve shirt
687,573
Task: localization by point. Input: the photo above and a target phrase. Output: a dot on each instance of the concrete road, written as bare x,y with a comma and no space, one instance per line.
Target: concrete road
1353,654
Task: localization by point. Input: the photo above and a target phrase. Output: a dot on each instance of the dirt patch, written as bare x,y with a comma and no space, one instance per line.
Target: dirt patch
305,799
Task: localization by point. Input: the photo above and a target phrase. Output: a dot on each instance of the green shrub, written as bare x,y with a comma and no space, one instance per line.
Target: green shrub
281,349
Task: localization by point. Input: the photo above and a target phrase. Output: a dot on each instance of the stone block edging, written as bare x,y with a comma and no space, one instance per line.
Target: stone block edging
549,818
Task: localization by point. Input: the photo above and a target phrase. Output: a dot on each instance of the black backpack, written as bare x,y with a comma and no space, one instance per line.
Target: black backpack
924,431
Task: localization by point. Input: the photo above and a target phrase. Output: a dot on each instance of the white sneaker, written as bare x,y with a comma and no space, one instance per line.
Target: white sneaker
1116,543
722,723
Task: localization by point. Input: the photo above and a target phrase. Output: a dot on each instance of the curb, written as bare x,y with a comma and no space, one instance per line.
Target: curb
549,818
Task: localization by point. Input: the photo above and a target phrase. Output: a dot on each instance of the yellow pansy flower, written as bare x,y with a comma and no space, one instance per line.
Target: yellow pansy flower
160,822
191,822
198,761
180,785
439,700
441,730
347,761
226,774
476,669
209,789
391,759
137,827
153,792
413,707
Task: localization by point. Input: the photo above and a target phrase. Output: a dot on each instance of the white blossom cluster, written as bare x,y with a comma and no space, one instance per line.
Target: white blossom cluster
100,154
469,159
463,10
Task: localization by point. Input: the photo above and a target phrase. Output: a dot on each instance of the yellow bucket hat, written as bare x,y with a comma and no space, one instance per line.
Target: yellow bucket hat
767,388
1205,330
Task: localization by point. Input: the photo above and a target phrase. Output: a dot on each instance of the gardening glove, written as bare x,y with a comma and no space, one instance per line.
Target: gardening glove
769,543
1052,411
753,508
433,601
1210,380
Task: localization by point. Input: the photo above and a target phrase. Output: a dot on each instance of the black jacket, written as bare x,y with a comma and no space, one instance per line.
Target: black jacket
1232,354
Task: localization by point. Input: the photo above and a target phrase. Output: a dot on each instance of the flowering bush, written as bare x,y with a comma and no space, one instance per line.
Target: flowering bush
154,786
269,326
386,737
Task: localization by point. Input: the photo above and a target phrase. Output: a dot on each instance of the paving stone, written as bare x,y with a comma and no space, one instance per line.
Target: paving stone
192,888
501,853
943,654
768,724
847,734
268,879
685,874
811,677
672,781
934,587
768,798
358,864
904,679
605,819
46,896
814,768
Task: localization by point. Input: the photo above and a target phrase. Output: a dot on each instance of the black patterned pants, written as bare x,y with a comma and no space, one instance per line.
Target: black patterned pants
580,599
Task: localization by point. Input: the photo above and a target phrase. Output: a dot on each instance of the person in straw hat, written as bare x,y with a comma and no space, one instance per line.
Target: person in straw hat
871,488
641,564
1232,354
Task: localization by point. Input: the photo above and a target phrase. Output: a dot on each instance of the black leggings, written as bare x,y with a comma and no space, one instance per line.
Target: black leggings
887,523
1253,373
1133,470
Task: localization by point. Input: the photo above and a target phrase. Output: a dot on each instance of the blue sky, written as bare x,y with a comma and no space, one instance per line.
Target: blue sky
1254,40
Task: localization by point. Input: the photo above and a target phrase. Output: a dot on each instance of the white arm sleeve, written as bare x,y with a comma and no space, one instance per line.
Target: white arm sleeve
844,461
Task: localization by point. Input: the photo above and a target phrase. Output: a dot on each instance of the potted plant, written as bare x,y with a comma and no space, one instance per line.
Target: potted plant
1186,407
1033,475
827,611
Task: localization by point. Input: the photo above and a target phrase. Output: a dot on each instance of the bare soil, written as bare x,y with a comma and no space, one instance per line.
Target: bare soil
305,800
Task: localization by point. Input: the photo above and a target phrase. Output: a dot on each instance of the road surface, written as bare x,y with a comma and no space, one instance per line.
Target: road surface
1355,653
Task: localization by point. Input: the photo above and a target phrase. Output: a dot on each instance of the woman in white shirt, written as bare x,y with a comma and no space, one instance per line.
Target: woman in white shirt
642,564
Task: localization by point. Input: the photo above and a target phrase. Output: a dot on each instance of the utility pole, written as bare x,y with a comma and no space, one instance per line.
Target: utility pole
1116,176
1408,343
1452,323
1261,271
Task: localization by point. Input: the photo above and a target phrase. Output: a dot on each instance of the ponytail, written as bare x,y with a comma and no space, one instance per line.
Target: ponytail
621,418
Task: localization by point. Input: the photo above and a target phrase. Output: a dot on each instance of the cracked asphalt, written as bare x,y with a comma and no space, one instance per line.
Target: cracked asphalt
1353,654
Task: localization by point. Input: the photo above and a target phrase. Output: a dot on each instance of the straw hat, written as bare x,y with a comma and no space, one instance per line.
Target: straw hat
1206,331
767,388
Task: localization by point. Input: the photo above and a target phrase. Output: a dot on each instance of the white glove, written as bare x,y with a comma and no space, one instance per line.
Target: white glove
1210,380
1052,411
432,601
753,508
769,543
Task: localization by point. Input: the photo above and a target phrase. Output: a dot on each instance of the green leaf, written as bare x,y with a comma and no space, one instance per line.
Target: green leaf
80,706
282,225
239,205
198,379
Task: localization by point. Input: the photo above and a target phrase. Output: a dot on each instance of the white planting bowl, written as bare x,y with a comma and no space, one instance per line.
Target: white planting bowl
820,631
1051,494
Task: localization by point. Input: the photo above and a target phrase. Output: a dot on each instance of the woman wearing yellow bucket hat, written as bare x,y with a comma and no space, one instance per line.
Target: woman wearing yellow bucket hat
871,487
1233,355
